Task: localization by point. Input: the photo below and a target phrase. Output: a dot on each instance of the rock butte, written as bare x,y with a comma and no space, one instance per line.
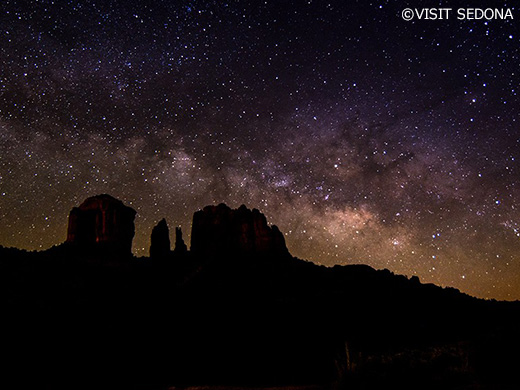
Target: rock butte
102,221
160,240
220,229
105,222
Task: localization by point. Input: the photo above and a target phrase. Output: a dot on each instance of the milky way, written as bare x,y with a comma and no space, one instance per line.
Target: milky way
364,137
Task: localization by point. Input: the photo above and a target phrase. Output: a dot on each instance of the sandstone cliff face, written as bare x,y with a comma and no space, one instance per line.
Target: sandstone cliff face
102,221
222,230
160,240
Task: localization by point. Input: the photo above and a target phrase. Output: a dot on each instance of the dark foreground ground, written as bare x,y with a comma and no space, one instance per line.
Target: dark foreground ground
78,320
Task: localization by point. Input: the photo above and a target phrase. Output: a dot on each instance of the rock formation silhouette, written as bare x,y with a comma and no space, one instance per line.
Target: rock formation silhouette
218,230
180,246
160,240
237,309
102,222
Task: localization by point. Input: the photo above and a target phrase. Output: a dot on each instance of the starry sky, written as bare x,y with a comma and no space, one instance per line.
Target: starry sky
364,137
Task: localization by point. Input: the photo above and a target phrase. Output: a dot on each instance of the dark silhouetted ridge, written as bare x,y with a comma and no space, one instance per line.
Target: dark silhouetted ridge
235,310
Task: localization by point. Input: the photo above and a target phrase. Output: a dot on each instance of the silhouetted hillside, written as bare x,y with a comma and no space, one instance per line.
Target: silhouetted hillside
237,311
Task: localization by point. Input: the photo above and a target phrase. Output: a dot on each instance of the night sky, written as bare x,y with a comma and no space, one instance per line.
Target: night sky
364,137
